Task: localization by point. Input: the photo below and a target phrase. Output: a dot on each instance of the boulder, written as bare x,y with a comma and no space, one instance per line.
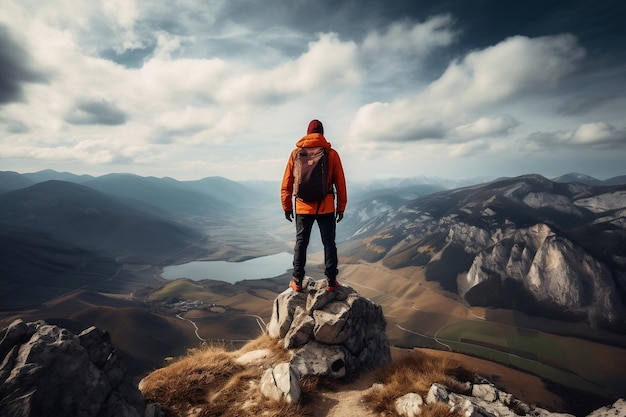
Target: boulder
409,405
48,371
331,333
281,382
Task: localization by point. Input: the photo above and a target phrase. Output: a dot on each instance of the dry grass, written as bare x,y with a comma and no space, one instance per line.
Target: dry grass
209,382
416,374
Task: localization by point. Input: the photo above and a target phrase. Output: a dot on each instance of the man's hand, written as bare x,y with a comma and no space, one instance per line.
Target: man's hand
289,215
339,217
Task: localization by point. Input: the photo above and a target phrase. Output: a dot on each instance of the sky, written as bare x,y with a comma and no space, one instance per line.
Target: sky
197,88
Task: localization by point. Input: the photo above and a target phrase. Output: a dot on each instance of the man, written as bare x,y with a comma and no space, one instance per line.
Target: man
323,211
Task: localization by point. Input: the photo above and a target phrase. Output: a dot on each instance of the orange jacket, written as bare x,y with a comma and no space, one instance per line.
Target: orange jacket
336,179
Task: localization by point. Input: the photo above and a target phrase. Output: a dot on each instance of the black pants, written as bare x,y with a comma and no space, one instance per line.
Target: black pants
327,225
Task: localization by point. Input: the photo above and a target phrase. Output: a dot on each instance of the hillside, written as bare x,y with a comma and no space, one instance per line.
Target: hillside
36,267
161,195
489,242
89,219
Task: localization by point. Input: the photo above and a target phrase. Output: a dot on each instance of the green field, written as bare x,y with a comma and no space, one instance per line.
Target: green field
579,364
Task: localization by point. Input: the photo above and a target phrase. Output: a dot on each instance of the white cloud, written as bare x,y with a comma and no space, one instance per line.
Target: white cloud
599,134
486,126
123,12
88,151
494,76
168,101
163,83
327,64
166,44
466,148
412,38
516,65
202,85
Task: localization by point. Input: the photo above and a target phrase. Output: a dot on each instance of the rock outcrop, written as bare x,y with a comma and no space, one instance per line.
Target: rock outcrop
330,334
48,371
485,400
551,270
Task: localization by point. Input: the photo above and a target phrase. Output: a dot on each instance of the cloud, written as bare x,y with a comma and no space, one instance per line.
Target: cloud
15,68
486,126
13,126
96,112
197,125
397,57
405,37
199,84
328,63
88,151
596,135
515,67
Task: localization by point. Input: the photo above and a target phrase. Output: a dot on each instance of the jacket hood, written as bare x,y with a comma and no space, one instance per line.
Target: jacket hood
313,140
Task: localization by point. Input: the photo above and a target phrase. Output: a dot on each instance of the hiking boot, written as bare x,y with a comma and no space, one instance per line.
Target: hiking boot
332,285
296,284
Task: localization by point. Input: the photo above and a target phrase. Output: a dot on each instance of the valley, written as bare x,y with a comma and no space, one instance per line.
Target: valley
417,257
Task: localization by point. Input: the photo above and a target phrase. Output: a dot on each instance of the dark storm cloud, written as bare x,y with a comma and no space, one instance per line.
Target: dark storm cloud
96,112
15,68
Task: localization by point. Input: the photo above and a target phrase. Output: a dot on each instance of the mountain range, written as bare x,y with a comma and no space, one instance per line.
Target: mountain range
84,250
554,249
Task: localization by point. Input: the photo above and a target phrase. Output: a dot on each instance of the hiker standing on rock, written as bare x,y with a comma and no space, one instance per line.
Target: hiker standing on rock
313,175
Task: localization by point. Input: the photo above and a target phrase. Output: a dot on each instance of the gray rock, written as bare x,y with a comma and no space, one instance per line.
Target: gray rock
337,333
281,383
409,405
283,310
49,371
316,359
486,401
300,331
437,394
486,392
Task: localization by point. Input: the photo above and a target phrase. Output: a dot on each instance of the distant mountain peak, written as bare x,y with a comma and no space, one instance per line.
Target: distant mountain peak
578,177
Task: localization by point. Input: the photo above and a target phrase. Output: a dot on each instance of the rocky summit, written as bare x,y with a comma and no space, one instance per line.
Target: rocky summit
330,333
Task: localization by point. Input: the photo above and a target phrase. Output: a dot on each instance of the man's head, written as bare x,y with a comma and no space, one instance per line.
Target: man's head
315,126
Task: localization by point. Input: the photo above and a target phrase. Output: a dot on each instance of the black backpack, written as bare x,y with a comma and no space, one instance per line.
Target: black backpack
310,173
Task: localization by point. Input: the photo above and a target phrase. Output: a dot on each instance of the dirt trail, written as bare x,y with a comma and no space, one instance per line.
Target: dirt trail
346,401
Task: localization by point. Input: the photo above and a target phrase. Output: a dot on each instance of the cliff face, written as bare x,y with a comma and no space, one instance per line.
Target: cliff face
535,265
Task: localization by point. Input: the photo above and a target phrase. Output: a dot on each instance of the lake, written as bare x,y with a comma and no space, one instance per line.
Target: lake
257,268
